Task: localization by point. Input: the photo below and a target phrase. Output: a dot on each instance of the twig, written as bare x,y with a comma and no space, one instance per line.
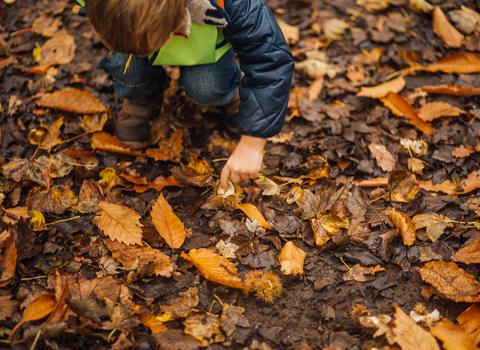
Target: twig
76,137
56,222
110,335
34,154
33,278
36,339
344,263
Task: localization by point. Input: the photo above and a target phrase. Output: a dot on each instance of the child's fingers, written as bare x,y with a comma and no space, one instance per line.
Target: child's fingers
224,177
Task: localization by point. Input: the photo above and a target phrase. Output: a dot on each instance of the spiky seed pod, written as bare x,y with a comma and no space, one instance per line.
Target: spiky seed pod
358,311
420,309
266,285
229,199
250,281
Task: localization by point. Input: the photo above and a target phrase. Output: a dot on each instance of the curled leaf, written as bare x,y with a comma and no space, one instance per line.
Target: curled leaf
405,225
292,258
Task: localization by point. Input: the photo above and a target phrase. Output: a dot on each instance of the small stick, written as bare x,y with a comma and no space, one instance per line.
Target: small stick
36,339
56,222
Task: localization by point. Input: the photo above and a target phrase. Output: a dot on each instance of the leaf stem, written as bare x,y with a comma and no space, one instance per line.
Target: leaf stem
34,154
56,222
33,278
36,339
344,263
110,335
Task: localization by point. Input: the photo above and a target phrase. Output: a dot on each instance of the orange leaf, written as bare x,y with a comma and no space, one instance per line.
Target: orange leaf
133,257
444,30
451,89
469,320
72,100
158,184
214,267
46,137
469,254
453,337
292,259
60,308
382,90
169,150
37,309
465,62
315,88
358,271
399,106
106,142
438,109
453,282
8,262
151,322
411,336
471,183
196,173
254,214
119,223
379,181
405,225
58,50
384,158
100,288
462,151
169,226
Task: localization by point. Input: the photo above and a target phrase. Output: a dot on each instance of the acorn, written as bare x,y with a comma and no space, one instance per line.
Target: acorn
266,285
229,199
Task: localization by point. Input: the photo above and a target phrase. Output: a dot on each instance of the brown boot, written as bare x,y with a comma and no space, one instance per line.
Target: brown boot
231,113
133,123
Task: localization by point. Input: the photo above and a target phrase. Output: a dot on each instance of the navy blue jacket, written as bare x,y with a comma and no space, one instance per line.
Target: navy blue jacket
266,60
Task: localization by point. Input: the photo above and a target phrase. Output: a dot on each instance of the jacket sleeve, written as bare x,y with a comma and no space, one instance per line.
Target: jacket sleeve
267,62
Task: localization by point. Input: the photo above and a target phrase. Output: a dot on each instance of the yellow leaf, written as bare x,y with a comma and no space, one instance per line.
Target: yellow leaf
214,267
357,272
169,226
433,222
444,30
254,214
382,90
119,223
46,137
292,258
151,322
374,5
404,224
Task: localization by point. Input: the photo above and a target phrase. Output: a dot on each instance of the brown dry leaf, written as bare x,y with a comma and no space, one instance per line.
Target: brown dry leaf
8,307
8,262
94,123
27,170
46,25
214,267
122,316
151,322
205,327
453,282
382,90
469,320
403,186
438,109
169,150
384,158
463,151
62,291
399,106
179,307
405,225
254,214
58,50
451,89
465,62
445,31
54,200
334,28
321,235
119,223
453,337
169,226
315,88
106,142
196,173
292,259
231,317
469,254
374,5
133,257
325,197
100,288
471,183
416,165
313,68
175,339
46,137
291,33
433,222
411,336
466,20
158,184
358,272
37,309
72,100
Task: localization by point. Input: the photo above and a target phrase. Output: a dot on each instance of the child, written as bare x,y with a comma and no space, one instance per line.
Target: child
202,37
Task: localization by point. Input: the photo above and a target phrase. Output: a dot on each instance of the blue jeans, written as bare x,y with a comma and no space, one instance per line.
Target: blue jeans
208,84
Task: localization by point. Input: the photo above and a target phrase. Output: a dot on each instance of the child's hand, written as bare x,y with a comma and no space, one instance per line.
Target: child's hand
245,162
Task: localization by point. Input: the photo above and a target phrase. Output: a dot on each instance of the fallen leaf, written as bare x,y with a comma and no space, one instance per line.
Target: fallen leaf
37,309
416,165
469,254
269,187
382,90
358,272
214,267
334,28
411,336
119,223
444,30
403,186
433,222
471,183
122,316
315,89
151,322
62,291
292,259
8,262
8,307
46,25
175,339
196,173
291,33
169,226
451,89
231,317
450,280
463,151
58,50
320,235
374,5
315,69
122,343
383,157
179,307
133,257
333,223
158,184
421,6
254,214
170,150
205,327
465,62
55,200
106,142
453,337
72,100
59,164
326,195
433,110
46,137
405,225
469,320
465,19
227,250
100,288
94,123
27,170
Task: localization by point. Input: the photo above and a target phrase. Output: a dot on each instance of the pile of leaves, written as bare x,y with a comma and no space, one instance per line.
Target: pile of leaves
367,202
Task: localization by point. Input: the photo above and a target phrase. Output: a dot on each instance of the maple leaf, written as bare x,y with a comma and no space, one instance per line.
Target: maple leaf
205,327
254,214
292,258
411,336
465,62
94,123
437,109
404,224
334,28
169,150
231,317
133,257
463,151
214,267
358,271
119,223
451,89
37,309
8,261
46,137
444,30
324,198
269,187
196,173
383,157
450,280
416,165
169,226
469,254
179,307
453,337
54,200
71,100
382,90
433,222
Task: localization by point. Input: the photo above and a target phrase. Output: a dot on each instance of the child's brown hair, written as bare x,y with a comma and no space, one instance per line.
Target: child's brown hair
136,27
